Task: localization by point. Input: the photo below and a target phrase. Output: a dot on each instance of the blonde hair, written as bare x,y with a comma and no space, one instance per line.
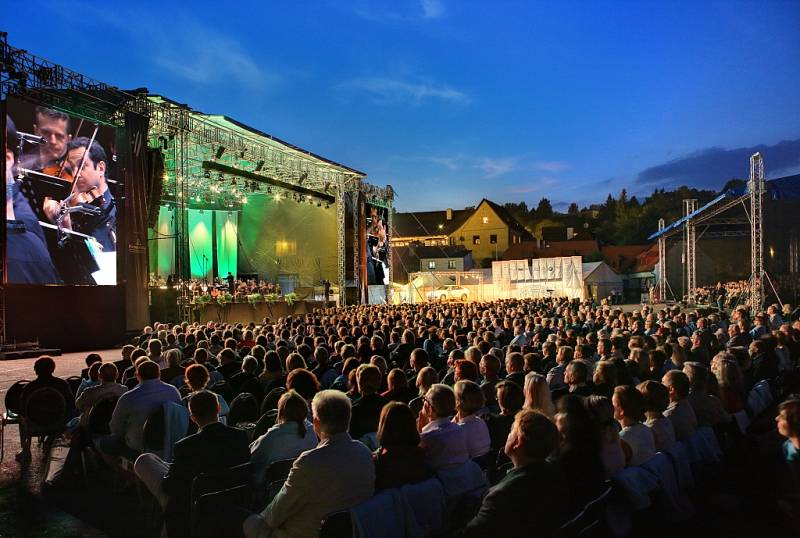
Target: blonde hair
537,394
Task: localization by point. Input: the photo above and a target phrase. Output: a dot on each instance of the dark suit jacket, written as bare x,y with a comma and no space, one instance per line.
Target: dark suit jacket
214,448
517,377
529,501
230,369
366,413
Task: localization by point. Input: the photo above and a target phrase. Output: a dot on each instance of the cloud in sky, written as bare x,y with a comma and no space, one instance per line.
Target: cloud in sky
550,166
432,9
712,167
494,166
398,12
393,91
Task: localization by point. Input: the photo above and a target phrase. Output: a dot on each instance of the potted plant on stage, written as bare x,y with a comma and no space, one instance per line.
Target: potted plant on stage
199,305
291,299
224,300
270,299
254,299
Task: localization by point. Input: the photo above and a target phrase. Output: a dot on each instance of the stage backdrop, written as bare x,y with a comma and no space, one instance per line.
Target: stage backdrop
201,243
162,243
227,230
287,239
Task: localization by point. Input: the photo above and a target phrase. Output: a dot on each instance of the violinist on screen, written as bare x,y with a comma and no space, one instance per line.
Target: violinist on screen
91,188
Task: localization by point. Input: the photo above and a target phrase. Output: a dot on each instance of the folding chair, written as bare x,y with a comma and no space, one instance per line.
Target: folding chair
337,525
13,402
204,484
590,522
74,382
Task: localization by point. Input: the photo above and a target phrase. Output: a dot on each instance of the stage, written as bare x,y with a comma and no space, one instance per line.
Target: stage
246,312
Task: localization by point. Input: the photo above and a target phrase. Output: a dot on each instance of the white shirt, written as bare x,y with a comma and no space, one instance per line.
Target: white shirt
444,443
663,432
640,438
280,442
478,441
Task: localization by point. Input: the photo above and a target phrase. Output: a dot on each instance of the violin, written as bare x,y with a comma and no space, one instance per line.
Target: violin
58,169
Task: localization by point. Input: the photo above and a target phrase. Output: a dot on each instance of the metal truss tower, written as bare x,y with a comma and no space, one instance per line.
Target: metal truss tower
756,187
689,207
662,263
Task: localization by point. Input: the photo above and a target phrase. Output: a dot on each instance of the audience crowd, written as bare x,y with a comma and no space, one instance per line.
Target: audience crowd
549,398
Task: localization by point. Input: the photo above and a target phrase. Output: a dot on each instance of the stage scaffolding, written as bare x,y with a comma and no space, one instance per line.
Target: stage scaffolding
191,144
708,217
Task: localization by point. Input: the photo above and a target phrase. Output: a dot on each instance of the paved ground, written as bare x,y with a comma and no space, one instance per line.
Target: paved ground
25,510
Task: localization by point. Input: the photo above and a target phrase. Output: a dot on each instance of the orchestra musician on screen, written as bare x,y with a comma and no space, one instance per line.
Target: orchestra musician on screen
63,177
376,248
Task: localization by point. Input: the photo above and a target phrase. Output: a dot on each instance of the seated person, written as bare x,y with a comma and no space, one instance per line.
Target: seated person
44,367
196,378
576,376
611,450
679,411
469,401
788,421
443,441
133,409
125,362
335,476
510,398
214,448
397,387
656,399
107,388
629,406
91,379
91,358
707,408
529,500
291,435
367,408
174,370
399,459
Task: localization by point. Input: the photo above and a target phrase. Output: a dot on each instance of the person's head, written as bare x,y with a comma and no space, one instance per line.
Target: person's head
425,378
44,366
788,419
533,438
602,411
92,358
107,373
469,398
466,369
204,408
94,171
53,126
331,410
440,401
419,359
629,405
564,354
368,378
272,363
537,394
250,365
489,366
605,373
510,397
294,361
304,382
576,373
173,357
656,397
677,384
147,370
293,408
154,347
196,377
397,380
697,374
515,362
397,426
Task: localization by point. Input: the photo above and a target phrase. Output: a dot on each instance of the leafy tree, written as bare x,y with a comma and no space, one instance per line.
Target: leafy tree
573,209
544,210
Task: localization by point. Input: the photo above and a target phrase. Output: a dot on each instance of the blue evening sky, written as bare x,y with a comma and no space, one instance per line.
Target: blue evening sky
450,101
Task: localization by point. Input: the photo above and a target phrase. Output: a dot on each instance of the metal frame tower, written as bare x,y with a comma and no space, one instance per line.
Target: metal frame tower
756,187
689,239
662,262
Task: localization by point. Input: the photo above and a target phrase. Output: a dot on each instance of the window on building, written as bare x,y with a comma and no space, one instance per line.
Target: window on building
451,264
431,264
493,239
476,240
485,220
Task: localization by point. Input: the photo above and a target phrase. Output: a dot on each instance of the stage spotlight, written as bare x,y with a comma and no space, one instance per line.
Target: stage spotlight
233,182
221,176
303,177
319,204
207,174
259,166
269,190
253,187
244,199
241,154
219,153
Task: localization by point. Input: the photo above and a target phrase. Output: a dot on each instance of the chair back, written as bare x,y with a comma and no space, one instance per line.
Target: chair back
224,389
45,411
279,470
266,421
13,399
74,382
205,483
271,399
337,525
216,504
100,415
244,408
590,522
153,433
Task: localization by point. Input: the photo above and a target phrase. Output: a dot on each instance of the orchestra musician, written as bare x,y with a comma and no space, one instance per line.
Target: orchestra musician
91,188
376,248
28,261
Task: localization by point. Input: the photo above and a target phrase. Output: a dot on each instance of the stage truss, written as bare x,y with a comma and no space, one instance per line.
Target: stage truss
708,217
190,142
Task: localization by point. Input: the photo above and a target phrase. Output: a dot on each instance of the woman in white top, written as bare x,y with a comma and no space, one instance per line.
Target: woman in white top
656,398
469,400
611,451
629,410
291,435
